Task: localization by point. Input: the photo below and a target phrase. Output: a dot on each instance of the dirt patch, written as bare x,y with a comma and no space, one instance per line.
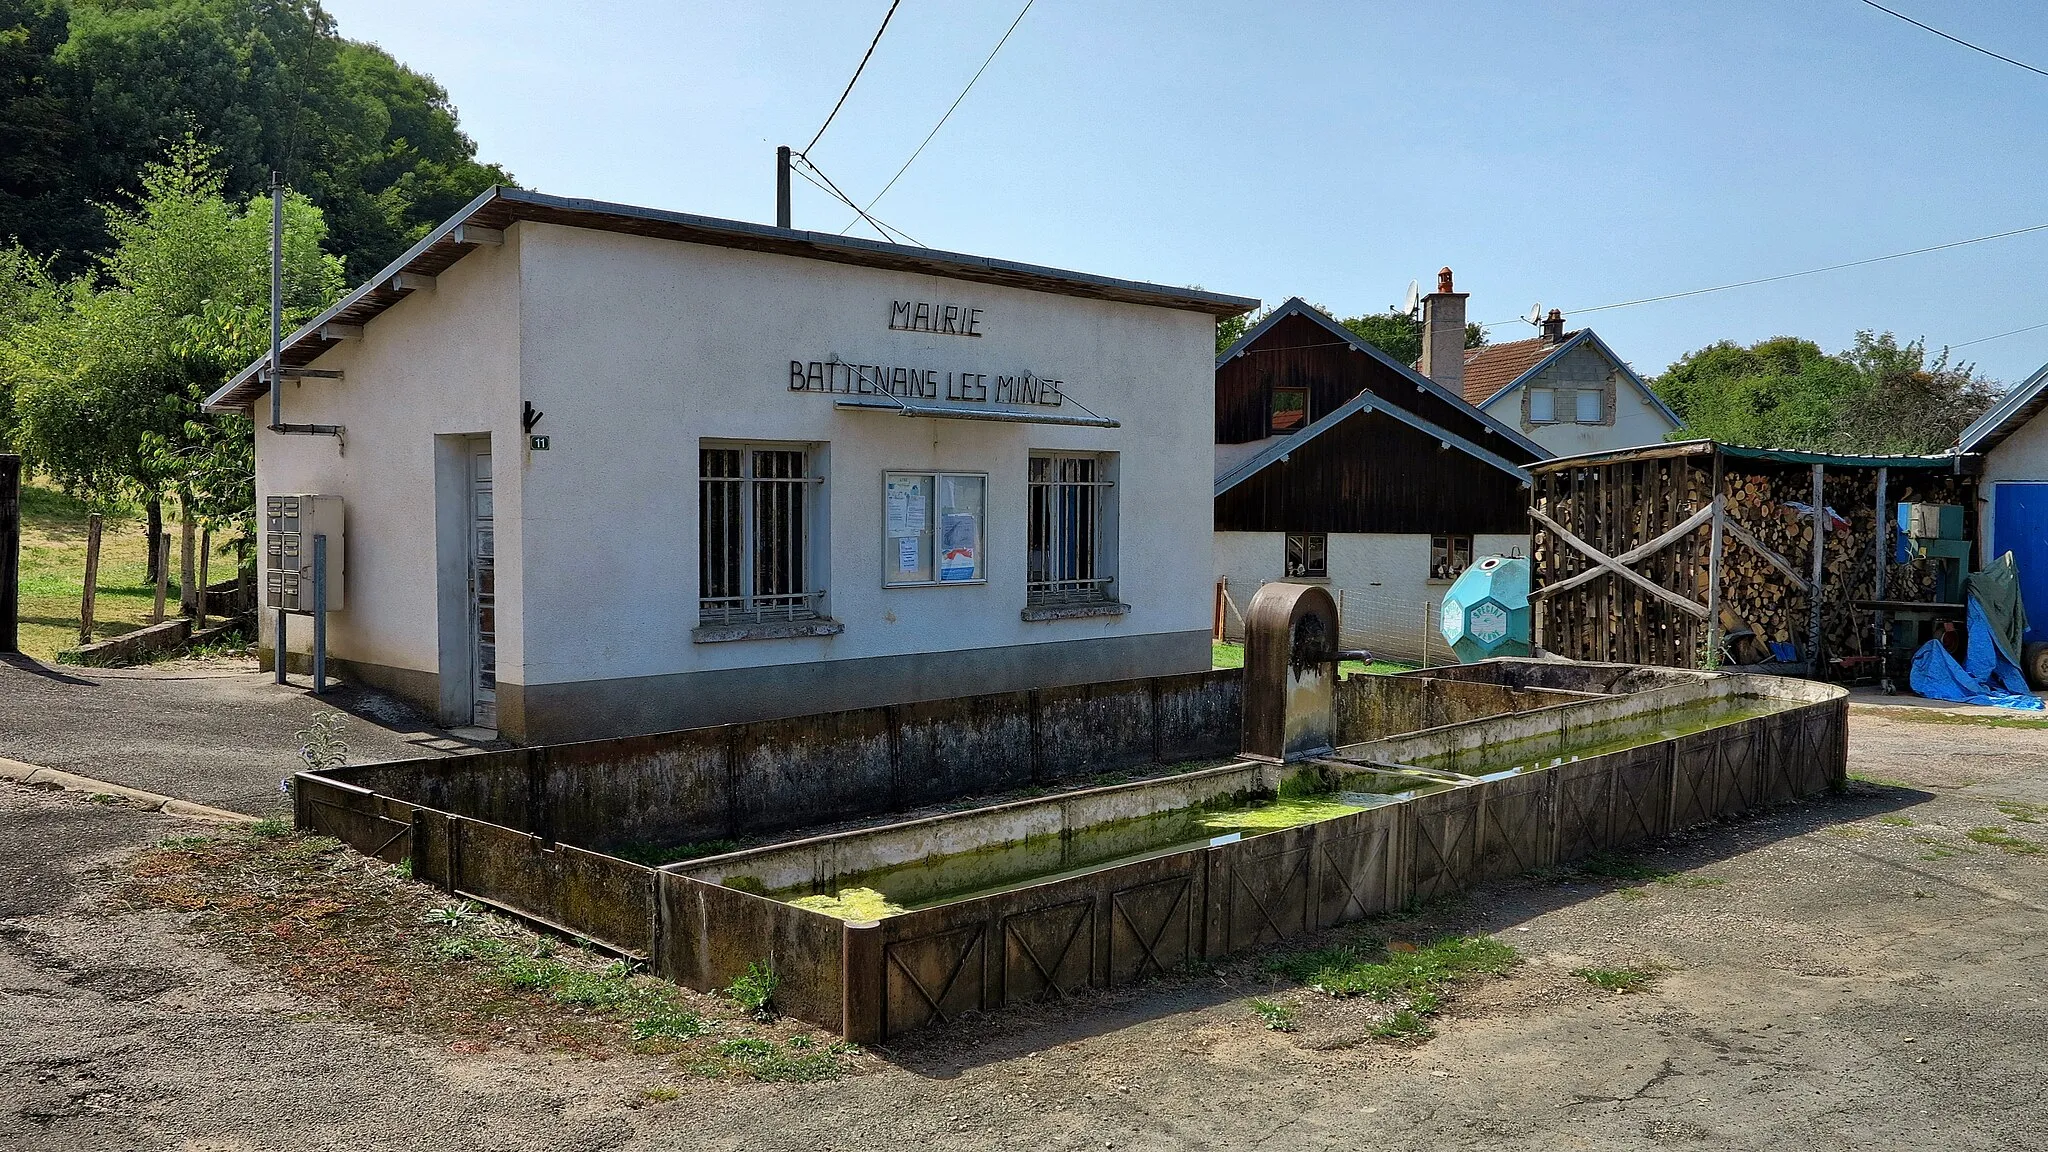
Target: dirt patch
355,934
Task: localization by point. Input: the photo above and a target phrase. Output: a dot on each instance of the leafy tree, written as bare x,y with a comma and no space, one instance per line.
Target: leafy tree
1908,404
1400,335
1785,392
107,369
95,89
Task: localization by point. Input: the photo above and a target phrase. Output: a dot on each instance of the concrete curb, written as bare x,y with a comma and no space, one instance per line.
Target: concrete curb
32,774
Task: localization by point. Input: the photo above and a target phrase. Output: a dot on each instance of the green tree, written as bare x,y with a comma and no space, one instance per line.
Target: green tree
95,89
106,370
1908,404
1880,396
1400,335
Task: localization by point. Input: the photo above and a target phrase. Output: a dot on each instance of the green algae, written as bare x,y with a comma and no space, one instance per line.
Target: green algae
1289,812
851,904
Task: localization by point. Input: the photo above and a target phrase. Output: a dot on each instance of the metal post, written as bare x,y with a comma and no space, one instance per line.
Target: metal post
279,651
10,553
1820,533
276,299
319,613
1884,621
782,187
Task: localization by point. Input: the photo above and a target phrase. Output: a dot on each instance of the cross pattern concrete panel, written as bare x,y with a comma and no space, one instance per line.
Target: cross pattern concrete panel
932,979
1149,931
1048,953
1268,895
1445,841
1355,867
1515,826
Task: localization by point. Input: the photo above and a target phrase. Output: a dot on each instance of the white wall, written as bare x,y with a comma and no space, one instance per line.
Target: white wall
637,349
445,361
2022,456
1637,421
1388,599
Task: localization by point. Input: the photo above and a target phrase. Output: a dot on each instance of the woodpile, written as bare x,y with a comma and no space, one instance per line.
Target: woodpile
1625,503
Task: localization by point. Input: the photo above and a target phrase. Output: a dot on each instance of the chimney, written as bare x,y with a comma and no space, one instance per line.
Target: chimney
1553,327
1443,335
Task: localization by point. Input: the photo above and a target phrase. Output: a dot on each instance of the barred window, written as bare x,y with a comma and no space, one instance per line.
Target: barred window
753,553
1071,506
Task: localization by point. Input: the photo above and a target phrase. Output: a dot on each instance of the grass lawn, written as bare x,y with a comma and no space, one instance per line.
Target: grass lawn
1227,655
53,572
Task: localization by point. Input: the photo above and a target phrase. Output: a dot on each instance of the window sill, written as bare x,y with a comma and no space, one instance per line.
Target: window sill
778,630
1073,611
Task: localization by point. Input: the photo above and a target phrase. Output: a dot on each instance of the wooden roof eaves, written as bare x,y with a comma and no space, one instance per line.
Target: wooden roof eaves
1296,306
1360,404
499,206
2027,400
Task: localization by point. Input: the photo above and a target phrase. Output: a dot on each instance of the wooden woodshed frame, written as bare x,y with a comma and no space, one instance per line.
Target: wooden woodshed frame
1656,555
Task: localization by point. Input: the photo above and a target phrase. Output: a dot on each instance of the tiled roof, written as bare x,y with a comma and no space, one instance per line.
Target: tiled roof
1495,366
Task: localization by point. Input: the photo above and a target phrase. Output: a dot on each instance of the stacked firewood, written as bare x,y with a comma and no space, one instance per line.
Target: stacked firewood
1759,599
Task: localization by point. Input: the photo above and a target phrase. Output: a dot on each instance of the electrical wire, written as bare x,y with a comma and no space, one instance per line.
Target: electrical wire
858,69
2000,336
1796,275
825,184
949,110
1955,39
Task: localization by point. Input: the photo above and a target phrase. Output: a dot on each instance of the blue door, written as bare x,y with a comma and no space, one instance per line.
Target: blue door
2021,528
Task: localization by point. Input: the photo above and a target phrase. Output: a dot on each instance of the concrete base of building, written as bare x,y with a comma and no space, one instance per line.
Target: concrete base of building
636,705
593,709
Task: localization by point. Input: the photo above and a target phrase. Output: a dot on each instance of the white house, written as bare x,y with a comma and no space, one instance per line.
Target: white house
609,470
2012,439
1567,391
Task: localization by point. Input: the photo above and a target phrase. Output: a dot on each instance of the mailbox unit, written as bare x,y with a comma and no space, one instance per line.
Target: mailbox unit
289,524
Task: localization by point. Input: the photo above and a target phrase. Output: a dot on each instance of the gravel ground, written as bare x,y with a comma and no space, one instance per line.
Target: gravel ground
216,732
1854,973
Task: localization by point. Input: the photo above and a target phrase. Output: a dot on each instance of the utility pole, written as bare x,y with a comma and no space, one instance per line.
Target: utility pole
278,647
782,187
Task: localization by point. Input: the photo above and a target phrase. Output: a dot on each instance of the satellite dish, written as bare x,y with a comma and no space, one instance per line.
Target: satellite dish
1413,300
1535,316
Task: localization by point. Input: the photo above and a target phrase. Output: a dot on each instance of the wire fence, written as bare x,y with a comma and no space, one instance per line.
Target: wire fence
1397,628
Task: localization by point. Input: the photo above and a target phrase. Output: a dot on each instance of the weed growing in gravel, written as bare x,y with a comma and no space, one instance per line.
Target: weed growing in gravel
2000,838
796,1060
1635,873
754,990
348,930
270,828
1277,1016
660,1094
1415,978
1617,979
1896,820
321,744
2022,813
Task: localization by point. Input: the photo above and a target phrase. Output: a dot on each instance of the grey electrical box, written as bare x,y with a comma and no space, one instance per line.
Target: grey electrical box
289,525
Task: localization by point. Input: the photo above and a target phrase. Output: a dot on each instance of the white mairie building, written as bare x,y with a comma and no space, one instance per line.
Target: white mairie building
610,470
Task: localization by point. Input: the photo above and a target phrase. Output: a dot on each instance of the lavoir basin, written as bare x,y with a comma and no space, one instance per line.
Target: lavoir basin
1441,781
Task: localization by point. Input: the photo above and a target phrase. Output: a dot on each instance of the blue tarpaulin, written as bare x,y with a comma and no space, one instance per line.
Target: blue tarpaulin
1986,676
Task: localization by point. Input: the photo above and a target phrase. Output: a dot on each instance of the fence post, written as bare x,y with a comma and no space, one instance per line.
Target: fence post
92,577
188,600
10,553
162,544
205,550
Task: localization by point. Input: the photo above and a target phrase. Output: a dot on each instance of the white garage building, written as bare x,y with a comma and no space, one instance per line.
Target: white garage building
609,470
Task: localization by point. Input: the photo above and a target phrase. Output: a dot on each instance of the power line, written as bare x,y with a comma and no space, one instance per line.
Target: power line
886,16
827,186
1955,39
1796,275
2000,336
949,108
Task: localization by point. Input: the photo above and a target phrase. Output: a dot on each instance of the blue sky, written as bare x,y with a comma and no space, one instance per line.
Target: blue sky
1572,153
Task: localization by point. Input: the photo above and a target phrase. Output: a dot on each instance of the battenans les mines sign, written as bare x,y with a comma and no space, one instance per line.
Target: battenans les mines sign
839,377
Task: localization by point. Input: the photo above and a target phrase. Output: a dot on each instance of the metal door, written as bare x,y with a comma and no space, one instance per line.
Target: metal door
2021,528
483,591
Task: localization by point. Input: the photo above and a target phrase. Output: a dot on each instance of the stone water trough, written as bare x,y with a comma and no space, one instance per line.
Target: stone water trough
1344,798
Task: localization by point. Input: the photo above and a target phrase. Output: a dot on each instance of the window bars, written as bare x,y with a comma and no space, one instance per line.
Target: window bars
1065,555
754,535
